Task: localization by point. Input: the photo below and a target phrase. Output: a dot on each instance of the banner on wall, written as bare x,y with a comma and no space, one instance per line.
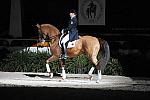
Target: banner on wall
91,12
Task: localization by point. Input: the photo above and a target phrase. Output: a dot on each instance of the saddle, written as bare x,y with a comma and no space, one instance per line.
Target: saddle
70,44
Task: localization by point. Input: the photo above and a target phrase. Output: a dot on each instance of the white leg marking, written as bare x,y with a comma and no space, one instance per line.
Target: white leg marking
91,71
49,71
48,68
99,76
63,73
51,75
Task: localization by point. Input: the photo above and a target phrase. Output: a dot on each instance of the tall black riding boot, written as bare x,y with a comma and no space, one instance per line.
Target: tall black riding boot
64,52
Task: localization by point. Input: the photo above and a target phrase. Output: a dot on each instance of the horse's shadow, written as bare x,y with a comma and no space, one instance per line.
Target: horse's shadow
41,76
57,75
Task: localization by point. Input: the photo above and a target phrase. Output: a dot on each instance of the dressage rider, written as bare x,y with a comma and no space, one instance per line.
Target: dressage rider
71,33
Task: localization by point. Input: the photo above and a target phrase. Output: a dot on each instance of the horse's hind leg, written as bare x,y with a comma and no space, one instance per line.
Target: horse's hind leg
99,75
94,61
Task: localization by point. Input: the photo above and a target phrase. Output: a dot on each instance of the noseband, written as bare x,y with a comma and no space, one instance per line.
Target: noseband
46,38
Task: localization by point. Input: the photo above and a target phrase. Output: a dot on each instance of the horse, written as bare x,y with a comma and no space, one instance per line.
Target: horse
86,44
91,9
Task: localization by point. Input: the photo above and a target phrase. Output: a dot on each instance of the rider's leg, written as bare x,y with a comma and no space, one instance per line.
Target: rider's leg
64,47
64,50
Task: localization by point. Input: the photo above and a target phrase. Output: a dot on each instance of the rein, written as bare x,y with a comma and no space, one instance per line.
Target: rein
41,35
53,37
47,38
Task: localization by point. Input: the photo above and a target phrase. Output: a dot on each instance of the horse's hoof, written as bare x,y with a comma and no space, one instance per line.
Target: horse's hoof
98,81
90,77
51,75
63,78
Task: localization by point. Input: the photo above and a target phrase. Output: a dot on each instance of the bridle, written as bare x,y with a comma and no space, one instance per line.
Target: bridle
54,37
46,38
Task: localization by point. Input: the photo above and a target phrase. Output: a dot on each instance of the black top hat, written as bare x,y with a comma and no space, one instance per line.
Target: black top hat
73,11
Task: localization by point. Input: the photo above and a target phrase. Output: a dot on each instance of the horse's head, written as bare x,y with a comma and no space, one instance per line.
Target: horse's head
47,31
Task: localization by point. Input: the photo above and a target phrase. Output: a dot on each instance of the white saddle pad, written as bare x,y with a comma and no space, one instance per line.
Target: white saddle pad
71,44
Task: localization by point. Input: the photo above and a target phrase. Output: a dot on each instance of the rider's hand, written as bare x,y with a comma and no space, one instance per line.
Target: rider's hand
62,31
43,41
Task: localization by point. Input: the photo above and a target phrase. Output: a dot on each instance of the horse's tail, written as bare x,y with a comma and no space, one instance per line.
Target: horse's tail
105,55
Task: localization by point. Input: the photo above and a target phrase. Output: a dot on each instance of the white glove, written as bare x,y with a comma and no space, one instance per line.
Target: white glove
43,41
62,31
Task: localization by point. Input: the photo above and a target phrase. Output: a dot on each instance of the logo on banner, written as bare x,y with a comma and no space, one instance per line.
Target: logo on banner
91,12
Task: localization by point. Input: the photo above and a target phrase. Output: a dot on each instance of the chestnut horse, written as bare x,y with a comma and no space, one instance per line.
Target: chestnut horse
85,44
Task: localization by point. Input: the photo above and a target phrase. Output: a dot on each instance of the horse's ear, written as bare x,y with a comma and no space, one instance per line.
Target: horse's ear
37,25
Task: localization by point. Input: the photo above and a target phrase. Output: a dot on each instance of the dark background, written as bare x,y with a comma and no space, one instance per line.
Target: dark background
131,15
126,29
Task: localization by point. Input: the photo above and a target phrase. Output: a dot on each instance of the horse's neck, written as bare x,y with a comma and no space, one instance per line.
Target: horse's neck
55,49
55,41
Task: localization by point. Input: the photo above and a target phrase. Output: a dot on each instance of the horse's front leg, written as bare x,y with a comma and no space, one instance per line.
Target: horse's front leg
49,71
53,58
62,64
90,73
63,73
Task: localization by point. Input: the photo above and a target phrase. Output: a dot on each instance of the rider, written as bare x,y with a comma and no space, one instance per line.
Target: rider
71,33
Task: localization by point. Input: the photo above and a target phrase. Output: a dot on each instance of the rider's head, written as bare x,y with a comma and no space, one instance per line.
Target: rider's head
72,12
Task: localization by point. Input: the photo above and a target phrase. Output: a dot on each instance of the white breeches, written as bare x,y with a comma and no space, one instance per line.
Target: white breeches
65,39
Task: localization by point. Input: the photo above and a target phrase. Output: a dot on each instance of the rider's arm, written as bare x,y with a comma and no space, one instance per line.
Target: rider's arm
72,24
